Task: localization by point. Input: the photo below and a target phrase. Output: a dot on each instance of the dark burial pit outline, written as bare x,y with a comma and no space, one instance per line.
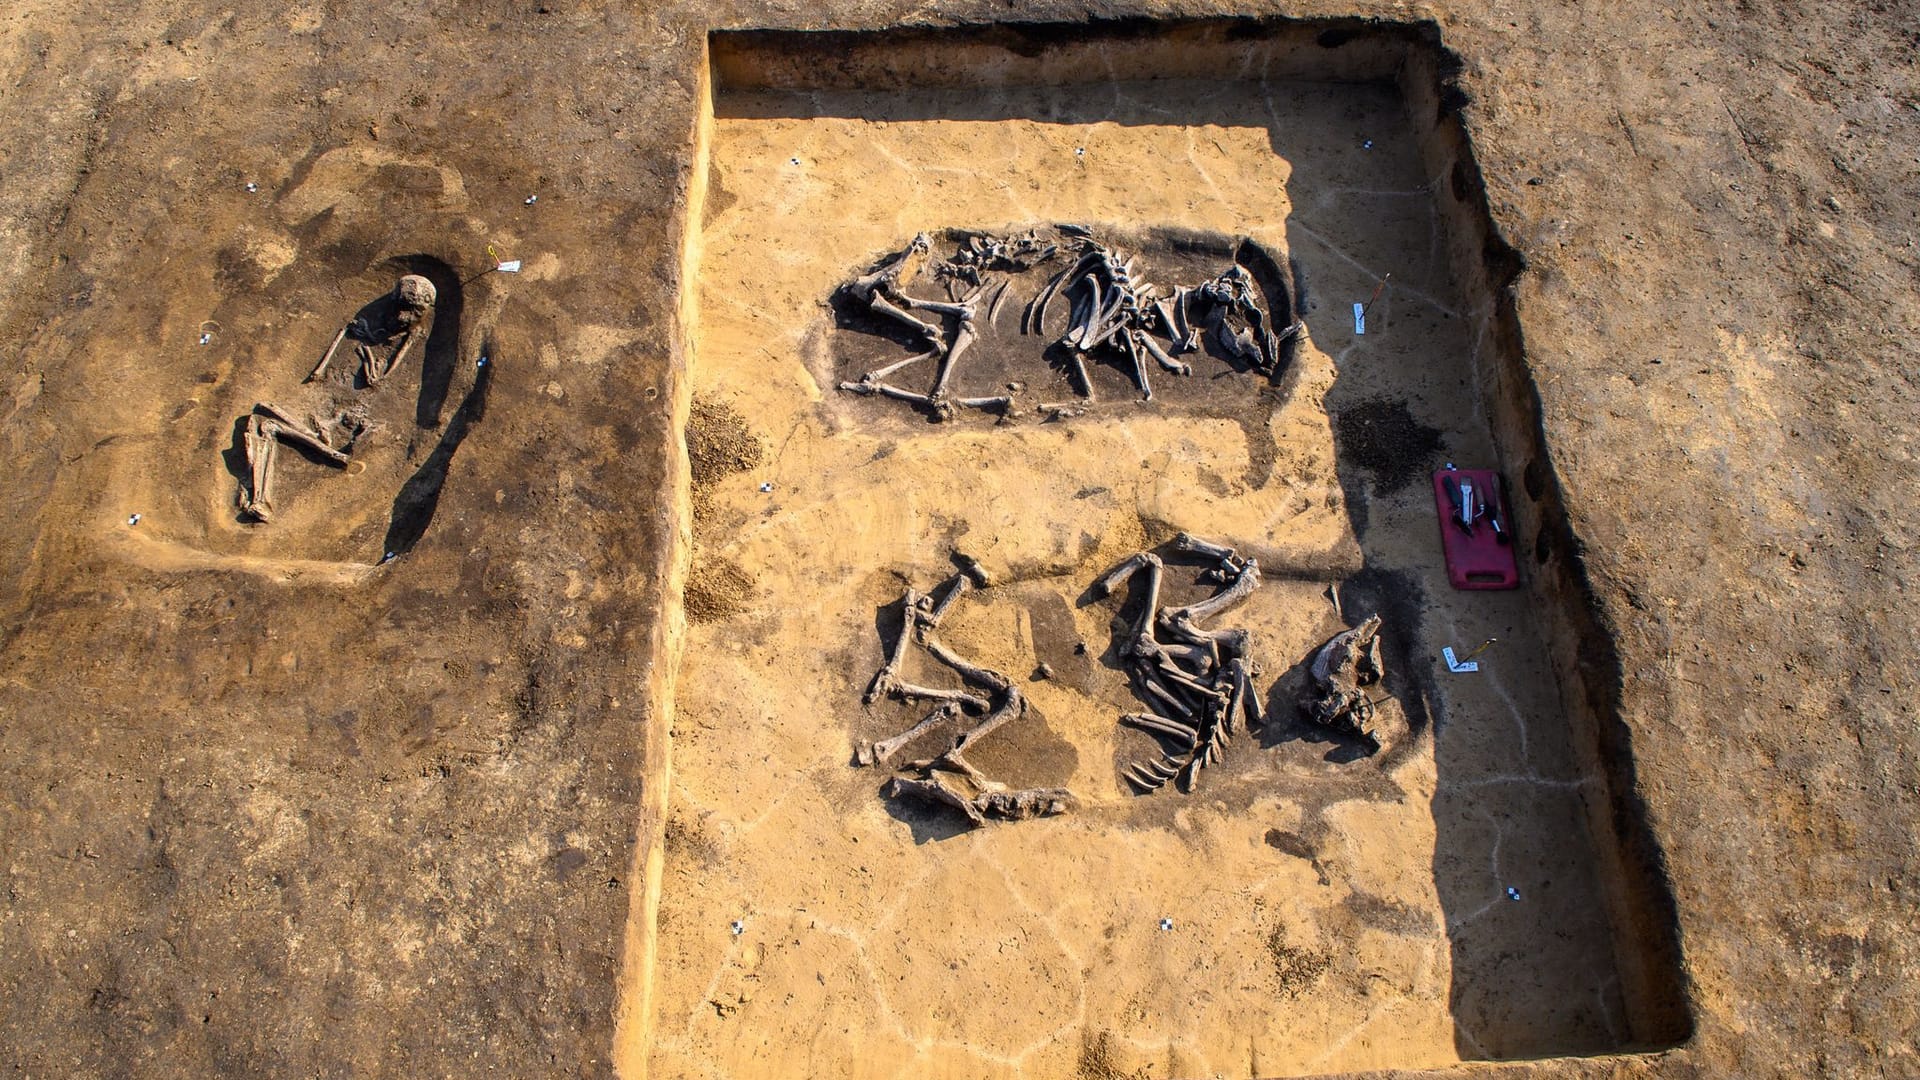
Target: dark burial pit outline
416,501
1017,358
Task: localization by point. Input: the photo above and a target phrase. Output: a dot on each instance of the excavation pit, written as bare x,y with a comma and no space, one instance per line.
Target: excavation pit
1474,890
318,263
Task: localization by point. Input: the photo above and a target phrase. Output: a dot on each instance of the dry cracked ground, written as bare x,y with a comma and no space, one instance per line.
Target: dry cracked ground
468,762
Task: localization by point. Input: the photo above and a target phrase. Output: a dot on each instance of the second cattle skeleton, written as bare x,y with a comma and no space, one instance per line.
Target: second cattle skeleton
1197,683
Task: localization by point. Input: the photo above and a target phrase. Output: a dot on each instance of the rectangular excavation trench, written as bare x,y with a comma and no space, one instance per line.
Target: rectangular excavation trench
1307,909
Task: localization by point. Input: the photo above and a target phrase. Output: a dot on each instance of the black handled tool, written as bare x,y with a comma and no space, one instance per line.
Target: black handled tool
1460,515
1497,513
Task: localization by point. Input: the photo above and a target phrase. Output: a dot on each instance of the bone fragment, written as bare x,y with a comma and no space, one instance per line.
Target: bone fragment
1119,574
1158,723
877,753
320,369
1030,803
935,790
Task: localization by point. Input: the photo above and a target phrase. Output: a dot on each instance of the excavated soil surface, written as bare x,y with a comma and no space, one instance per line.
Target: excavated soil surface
272,805
1329,910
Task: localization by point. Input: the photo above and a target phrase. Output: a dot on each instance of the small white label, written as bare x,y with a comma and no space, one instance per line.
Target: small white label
1458,666
1359,318
512,266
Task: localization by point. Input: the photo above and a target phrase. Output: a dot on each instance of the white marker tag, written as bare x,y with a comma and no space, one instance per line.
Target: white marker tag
1458,666
511,267
1359,318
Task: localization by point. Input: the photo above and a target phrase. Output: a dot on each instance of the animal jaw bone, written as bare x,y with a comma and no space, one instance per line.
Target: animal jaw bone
1348,661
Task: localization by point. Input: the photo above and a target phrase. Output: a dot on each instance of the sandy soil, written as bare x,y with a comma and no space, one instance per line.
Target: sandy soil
1330,911
268,811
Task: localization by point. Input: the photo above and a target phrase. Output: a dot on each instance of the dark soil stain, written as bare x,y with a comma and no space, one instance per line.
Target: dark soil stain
1382,437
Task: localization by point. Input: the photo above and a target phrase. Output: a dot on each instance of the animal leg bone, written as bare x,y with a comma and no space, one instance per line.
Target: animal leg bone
963,338
1080,371
1139,367
1000,805
883,306
286,427
935,790
907,691
884,679
942,409
1188,544
266,427
1142,644
1020,805
877,753
957,585
1127,568
878,374
1012,706
1225,600
1249,697
968,670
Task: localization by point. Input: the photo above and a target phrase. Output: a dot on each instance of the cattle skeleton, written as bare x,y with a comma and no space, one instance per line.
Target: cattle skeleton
988,695
1112,309
1197,683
